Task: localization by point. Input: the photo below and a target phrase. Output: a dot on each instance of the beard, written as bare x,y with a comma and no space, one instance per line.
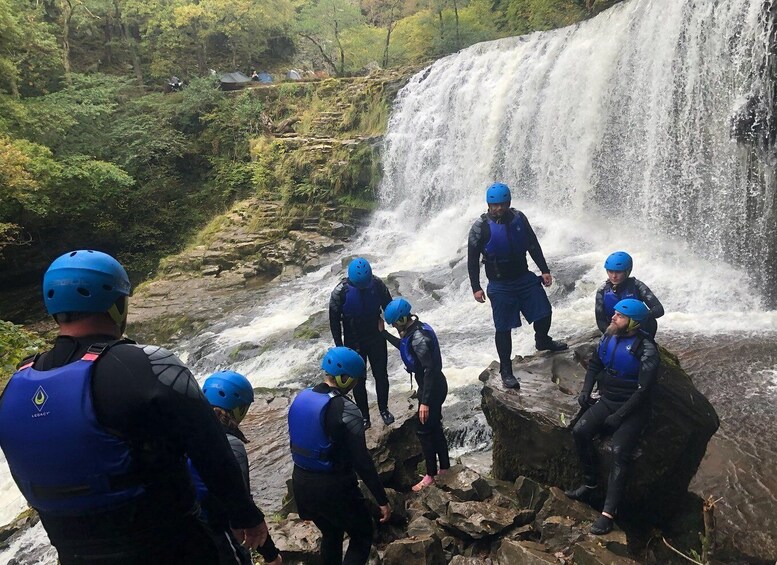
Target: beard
612,329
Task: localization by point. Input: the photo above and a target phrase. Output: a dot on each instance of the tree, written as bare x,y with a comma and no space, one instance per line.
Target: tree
323,22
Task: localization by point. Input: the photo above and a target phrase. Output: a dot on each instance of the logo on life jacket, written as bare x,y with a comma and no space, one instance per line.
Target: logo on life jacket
40,398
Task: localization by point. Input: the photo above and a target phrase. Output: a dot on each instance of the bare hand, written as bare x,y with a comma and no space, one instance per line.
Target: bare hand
385,513
547,279
479,295
277,561
381,325
252,537
423,413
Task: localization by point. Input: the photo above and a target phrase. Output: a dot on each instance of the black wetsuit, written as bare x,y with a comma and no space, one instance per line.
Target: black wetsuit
333,500
479,236
632,405
631,287
145,395
362,335
432,390
230,551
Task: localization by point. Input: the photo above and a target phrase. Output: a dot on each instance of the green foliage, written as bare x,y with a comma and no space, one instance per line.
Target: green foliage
16,343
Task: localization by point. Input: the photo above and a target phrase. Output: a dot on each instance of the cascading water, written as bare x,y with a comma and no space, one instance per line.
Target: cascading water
614,134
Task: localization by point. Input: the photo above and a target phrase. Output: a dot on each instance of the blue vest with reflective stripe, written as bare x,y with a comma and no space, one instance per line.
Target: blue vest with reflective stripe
406,351
611,298
618,357
310,446
62,459
361,302
507,241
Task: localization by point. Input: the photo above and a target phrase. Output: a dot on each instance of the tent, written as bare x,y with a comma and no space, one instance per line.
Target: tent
265,78
293,75
233,81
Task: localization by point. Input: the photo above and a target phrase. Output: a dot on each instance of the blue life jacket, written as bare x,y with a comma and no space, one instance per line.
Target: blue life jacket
406,350
360,302
508,242
62,459
619,357
627,290
310,446
200,490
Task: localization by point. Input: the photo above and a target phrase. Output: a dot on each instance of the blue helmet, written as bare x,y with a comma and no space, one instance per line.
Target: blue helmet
359,272
84,281
619,261
498,193
633,308
396,310
228,390
345,365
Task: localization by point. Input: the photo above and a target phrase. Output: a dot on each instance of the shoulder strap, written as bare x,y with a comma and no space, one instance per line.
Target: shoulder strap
96,350
28,362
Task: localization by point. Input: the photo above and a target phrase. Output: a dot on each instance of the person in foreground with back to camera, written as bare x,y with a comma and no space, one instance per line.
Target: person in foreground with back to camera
231,395
329,451
96,432
621,285
625,368
354,312
421,356
503,236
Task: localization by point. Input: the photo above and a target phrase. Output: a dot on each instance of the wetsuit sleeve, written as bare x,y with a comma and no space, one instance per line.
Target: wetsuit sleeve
535,251
595,366
159,401
648,373
601,318
239,451
336,313
391,338
474,249
385,295
360,456
647,296
431,373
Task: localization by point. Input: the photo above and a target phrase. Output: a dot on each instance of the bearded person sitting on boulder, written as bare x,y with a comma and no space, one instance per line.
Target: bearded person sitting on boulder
624,367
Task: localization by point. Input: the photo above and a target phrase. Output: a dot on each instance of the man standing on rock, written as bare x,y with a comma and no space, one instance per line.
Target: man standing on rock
329,451
625,367
96,433
503,236
354,314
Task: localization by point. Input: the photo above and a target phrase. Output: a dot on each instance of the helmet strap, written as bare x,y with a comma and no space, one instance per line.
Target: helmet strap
633,325
344,382
118,312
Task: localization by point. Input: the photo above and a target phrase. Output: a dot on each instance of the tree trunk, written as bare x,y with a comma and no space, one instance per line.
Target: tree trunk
456,12
130,42
67,15
442,27
342,53
326,57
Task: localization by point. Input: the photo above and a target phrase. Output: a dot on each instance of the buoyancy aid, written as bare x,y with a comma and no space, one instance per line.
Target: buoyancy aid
63,460
310,445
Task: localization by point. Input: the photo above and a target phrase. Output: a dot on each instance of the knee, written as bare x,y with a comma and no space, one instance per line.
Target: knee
621,455
582,433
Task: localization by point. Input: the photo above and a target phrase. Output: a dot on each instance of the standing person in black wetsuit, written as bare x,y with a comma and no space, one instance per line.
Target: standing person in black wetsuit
354,313
621,285
420,353
329,451
96,432
231,395
625,367
503,236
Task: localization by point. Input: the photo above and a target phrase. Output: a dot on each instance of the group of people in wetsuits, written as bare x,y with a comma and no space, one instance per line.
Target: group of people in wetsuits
127,460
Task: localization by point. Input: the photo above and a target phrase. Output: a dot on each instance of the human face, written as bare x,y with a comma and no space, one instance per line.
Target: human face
498,210
619,324
616,277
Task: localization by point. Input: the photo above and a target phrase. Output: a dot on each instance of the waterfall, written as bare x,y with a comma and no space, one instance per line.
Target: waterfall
645,116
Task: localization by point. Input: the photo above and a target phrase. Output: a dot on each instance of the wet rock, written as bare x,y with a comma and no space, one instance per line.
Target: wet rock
425,550
461,560
477,519
422,526
464,484
530,494
299,541
531,438
431,502
591,552
512,552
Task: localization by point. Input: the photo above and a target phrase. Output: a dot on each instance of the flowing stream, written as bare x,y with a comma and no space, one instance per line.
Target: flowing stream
614,134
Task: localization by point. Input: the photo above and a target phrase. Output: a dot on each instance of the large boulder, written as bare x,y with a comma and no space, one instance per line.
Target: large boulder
531,437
